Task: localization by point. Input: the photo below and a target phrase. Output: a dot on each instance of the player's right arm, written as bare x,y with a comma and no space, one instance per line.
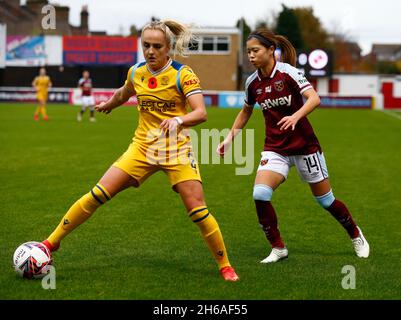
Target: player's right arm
34,82
119,97
242,118
239,123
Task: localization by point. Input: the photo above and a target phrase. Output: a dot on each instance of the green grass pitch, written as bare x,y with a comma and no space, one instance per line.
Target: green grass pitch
142,245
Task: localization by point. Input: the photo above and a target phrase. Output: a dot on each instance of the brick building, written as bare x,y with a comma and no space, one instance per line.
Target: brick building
214,57
27,19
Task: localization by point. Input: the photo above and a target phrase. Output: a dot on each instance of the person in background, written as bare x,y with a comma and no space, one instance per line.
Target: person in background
41,83
88,100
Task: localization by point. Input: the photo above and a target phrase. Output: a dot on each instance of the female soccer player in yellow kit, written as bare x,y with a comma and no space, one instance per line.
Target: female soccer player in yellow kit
41,83
163,88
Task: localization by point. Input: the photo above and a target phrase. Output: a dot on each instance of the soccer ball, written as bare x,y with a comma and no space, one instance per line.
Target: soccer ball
32,260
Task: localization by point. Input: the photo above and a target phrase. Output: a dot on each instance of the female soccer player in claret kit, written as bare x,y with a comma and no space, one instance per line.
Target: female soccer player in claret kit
281,89
87,98
163,88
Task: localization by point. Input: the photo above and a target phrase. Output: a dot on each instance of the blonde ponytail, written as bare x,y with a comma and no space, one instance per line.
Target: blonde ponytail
178,35
183,36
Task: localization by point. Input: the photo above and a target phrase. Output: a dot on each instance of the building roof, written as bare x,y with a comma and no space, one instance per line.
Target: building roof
215,30
386,48
354,47
10,12
19,18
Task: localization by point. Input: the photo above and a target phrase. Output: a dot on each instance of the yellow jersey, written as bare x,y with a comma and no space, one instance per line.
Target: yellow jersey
42,84
161,95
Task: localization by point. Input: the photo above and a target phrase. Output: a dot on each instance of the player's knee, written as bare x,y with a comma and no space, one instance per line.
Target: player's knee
262,192
325,200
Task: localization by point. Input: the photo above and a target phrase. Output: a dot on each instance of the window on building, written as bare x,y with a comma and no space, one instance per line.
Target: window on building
222,44
210,45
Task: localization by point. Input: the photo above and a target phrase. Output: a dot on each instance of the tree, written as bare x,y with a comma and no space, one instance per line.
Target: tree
262,24
313,33
246,29
387,67
398,65
367,64
269,21
133,31
346,52
288,26
343,61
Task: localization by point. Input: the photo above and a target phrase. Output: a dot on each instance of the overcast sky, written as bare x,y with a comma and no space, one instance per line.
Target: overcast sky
364,21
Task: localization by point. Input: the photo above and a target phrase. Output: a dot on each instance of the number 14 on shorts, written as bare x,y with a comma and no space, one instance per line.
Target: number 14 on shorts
311,163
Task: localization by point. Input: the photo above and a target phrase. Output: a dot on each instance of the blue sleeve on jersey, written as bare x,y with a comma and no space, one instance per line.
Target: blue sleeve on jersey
136,66
178,80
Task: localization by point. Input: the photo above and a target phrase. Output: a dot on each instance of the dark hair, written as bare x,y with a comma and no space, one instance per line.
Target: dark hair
267,38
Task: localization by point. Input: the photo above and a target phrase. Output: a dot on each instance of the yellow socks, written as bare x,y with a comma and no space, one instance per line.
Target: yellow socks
41,110
38,111
80,211
211,233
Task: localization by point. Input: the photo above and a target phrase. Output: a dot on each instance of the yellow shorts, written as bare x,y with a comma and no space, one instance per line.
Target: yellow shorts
41,96
137,162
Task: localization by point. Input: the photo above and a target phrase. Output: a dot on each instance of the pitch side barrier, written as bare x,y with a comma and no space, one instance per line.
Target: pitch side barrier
28,94
235,99
221,99
56,95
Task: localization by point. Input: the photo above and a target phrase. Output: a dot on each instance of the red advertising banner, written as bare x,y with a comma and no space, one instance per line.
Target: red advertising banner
101,50
100,43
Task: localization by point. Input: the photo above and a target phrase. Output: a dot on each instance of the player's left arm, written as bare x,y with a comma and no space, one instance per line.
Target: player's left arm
312,101
296,80
196,116
190,87
198,113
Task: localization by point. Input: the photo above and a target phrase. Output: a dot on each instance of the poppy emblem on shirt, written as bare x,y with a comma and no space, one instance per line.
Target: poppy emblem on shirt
279,85
152,83
263,162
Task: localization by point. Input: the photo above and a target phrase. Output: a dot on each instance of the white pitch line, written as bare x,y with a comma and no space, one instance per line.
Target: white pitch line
393,114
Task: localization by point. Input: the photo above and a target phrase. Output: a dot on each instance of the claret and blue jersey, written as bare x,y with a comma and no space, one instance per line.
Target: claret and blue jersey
280,94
